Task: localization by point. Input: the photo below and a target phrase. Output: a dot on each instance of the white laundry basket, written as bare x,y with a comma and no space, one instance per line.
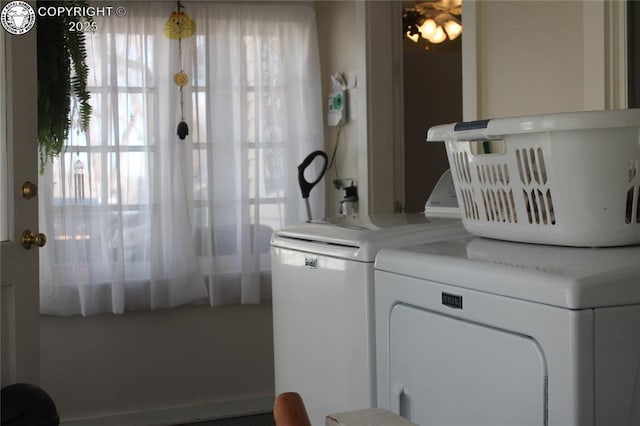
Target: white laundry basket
566,179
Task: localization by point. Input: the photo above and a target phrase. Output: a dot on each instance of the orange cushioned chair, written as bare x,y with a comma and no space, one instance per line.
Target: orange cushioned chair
289,410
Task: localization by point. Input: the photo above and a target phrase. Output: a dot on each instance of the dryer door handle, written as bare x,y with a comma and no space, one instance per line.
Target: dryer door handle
397,393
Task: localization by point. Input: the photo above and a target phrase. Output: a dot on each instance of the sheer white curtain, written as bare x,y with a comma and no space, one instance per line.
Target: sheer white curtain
257,89
139,219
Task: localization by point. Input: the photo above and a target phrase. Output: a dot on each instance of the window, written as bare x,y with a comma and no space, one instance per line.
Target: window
141,219
103,174
264,146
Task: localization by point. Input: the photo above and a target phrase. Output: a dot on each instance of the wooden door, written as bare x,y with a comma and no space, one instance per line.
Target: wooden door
19,296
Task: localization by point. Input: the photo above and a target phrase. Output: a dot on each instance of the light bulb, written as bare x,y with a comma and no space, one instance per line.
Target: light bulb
453,29
428,28
438,36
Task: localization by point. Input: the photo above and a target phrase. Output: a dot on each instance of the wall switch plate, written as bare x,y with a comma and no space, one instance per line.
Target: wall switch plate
352,79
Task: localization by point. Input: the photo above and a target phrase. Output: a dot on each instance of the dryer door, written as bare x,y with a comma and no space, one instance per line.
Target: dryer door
446,371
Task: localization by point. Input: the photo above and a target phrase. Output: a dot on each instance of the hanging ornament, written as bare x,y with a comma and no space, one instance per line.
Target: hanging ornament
183,130
78,165
179,26
78,179
181,79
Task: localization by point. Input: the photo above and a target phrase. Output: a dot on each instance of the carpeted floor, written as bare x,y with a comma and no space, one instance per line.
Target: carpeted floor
257,420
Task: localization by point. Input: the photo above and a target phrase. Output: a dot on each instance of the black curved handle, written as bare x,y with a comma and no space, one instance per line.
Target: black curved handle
306,186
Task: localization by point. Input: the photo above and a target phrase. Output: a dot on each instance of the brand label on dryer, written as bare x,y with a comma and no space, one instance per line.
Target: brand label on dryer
311,262
452,300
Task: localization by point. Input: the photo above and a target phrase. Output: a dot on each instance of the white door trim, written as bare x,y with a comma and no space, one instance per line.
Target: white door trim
380,126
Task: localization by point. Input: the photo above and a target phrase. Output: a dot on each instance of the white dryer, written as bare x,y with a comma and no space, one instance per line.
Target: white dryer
322,282
482,332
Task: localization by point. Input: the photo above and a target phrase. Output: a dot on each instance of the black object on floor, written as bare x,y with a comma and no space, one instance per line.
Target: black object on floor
27,405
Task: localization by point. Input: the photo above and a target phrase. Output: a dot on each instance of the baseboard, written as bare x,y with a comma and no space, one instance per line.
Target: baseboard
180,414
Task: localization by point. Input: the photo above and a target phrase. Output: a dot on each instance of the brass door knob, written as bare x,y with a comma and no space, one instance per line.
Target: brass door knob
30,239
29,190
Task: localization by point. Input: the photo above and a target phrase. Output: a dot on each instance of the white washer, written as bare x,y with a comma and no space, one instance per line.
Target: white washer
482,332
322,281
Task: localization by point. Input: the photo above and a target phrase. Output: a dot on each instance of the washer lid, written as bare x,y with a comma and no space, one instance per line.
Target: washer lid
361,240
574,278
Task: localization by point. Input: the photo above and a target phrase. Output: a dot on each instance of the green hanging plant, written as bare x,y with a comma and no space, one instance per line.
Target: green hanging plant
62,73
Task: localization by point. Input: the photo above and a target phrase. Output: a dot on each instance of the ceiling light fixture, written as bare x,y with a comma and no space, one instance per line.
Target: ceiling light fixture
434,21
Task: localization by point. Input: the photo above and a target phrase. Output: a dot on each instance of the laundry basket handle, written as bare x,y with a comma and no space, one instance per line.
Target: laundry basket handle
462,132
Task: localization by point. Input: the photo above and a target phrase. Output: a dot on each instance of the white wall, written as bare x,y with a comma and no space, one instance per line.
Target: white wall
159,367
531,57
543,56
357,36
338,46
